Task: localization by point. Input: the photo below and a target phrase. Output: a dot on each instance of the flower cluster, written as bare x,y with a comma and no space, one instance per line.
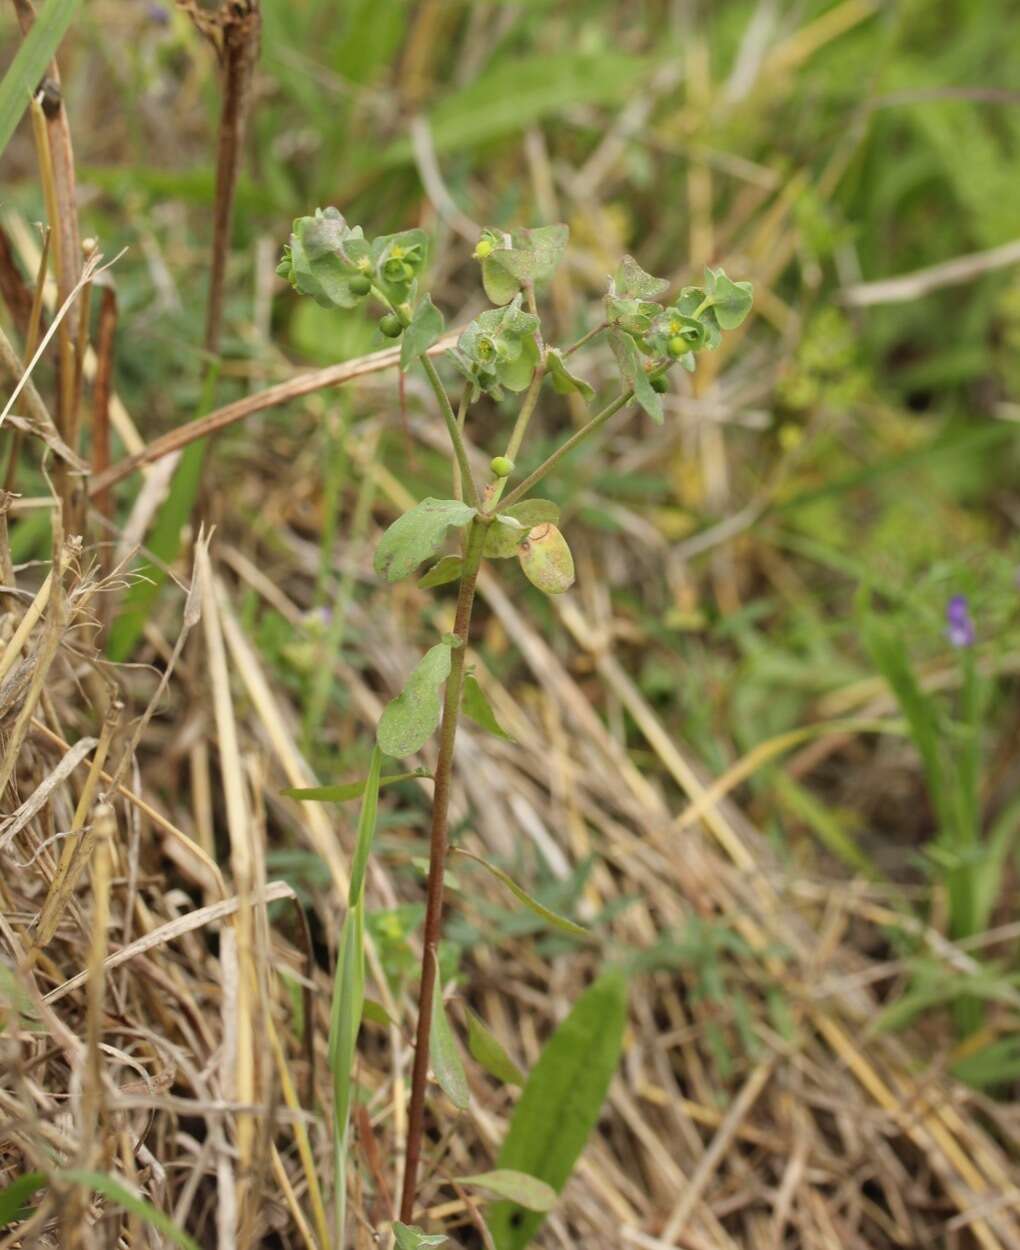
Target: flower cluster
338,267
499,349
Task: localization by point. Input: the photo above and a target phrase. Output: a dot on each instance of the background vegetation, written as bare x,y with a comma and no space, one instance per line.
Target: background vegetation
747,754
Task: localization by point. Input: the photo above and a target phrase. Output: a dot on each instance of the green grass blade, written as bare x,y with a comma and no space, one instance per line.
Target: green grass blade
349,997
14,1196
37,49
110,1187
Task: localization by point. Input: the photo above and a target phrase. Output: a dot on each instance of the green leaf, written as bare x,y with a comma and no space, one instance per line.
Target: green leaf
535,253
633,371
731,301
486,1049
504,536
366,828
550,917
444,1053
511,527
114,1189
14,1196
526,1191
320,258
561,1102
425,327
564,382
409,720
347,790
417,535
531,512
631,281
500,285
373,1012
993,1065
410,1237
446,570
344,1024
34,53
475,704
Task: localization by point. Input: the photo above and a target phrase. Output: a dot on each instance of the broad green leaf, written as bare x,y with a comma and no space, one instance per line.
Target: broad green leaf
631,281
319,259
633,315
561,1102
545,913
500,285
447,569
36,50
633,371
14,1196
526,1191
409,720
418,534
114,1189
535,512
425,327
347,790
366,829
731,301
535,253
562,379
546,560
504,536
444,1054
475,704
486,1049
410,1237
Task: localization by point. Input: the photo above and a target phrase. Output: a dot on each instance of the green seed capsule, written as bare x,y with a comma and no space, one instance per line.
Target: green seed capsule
659,383
546,560
484,249
677,346
360,285
391,326
502,466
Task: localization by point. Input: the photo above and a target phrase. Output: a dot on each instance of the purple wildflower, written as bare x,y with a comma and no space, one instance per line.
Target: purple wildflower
959,626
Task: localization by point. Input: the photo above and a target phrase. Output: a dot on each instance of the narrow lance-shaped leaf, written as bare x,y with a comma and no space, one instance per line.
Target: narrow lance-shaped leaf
347,790
14,1196
486,1049
418,534
366,829
526,1191
425,327
410,719
561,1102
446,1061
35,52
545,913
118,1192
475,704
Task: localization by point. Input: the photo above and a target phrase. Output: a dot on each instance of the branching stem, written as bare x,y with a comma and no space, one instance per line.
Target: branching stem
438,847
575,440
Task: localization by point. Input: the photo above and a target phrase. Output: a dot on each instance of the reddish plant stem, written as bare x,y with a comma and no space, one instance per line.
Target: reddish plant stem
438,847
